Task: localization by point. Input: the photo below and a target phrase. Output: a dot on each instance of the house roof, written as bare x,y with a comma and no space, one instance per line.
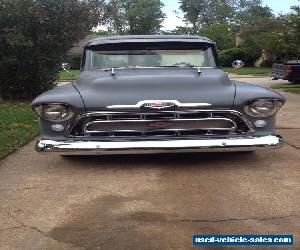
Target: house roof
78,47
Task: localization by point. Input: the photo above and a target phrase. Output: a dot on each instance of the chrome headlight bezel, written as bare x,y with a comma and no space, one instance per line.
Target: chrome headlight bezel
263,107
54,112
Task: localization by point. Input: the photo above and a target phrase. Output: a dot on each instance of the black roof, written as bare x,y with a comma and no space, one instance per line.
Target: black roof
147,38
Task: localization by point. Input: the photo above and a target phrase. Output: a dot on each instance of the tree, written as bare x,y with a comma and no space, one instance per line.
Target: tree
35,36
200,13
276,36
181,30
253,14
206,12
144,16
134,16
223,34
115,16
293,21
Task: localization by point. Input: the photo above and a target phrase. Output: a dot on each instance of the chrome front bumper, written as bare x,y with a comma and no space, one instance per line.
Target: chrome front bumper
77,147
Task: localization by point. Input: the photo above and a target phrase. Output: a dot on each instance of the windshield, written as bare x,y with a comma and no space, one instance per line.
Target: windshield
97,59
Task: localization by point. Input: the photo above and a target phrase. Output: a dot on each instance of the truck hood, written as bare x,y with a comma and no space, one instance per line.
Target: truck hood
99,88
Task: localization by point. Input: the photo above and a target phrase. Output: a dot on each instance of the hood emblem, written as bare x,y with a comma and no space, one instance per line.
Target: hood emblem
158,105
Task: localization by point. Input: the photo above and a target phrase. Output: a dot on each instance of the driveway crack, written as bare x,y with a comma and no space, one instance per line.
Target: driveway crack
23,225
232,219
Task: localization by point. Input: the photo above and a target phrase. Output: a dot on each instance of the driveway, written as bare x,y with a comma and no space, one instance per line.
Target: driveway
265,81
150,202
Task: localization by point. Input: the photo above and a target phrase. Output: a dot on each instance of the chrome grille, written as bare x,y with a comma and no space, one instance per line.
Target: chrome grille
160,123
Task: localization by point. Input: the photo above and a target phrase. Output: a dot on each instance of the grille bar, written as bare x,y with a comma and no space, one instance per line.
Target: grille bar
168,125
160,123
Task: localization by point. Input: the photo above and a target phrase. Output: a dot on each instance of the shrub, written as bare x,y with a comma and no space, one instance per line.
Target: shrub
228,56
267,64
34,38
74,61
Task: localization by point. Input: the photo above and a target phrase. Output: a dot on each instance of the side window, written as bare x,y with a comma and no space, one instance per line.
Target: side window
209,58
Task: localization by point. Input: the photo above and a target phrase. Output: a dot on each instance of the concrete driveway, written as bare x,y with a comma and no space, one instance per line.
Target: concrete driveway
150,202
265,81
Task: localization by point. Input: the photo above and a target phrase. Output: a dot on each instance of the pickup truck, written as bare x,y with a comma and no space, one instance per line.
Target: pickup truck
289,71
155,94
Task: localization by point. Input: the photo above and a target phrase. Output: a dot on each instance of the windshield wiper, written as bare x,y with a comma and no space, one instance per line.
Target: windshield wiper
198,68
112,69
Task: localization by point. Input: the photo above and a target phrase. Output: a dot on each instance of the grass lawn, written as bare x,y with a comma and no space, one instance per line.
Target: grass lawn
293,88
249,71
17,126
64,76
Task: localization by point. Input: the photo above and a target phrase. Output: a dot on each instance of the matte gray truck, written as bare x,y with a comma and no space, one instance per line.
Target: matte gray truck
155,94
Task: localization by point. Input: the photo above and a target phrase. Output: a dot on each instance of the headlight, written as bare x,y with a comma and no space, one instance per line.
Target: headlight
54,112
263,107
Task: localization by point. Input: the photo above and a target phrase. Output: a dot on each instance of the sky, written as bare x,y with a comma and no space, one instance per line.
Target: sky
172,21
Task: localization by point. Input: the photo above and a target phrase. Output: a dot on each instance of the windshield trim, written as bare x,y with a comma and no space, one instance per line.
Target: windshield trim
180,46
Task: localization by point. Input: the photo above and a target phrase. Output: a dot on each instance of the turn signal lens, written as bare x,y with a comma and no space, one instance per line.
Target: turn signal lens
54,112
263,107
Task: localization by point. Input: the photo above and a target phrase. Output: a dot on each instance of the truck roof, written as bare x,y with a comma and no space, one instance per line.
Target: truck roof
147,39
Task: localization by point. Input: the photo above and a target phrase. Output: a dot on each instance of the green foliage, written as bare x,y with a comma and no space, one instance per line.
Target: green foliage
227,57
267,63
208,12
293,21
144,16
101,33
182,30
278,36
222,34
35,36
252,51
17,126
272,35
253,14
253,71
74,61
134,16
